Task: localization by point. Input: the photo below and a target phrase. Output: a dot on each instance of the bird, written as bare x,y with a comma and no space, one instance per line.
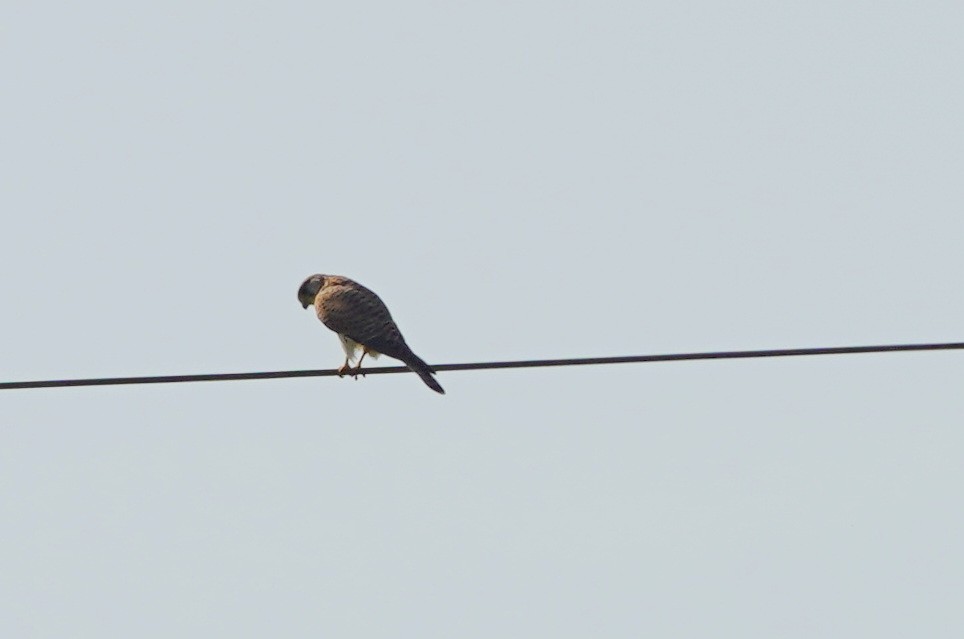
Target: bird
362,321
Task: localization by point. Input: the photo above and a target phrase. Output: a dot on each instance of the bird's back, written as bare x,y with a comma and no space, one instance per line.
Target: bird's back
350,309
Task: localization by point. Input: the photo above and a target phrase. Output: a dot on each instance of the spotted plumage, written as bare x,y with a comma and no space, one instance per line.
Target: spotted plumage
362,322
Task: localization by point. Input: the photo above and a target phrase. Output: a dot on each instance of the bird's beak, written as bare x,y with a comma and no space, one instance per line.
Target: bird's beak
304,305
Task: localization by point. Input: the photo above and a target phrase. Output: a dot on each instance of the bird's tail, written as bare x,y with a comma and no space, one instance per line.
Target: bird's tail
424,371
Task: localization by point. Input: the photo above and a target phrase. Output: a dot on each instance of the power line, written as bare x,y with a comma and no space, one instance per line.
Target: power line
532,363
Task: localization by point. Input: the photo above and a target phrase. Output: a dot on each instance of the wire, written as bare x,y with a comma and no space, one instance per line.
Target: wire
532,363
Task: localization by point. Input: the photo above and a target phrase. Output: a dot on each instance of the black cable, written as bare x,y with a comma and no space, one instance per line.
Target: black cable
534,363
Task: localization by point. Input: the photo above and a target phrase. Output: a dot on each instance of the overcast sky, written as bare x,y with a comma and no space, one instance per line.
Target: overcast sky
516,180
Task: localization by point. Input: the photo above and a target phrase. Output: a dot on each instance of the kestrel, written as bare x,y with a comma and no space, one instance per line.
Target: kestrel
362,321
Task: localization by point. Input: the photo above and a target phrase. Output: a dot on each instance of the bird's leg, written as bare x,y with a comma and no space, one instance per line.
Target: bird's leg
358,368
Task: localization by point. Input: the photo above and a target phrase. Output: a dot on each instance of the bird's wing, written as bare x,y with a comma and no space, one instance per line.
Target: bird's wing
358,313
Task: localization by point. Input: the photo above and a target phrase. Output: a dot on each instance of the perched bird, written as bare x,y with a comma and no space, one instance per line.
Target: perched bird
362,321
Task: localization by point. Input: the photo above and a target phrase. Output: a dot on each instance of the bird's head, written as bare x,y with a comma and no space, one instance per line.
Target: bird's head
309,288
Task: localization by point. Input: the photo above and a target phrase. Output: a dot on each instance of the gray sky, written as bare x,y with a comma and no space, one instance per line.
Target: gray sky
516,180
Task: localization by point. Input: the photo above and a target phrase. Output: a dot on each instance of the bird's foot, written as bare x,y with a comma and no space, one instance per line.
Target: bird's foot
355,372
344,369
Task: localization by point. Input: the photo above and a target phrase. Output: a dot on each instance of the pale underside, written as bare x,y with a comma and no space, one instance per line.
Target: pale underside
352,348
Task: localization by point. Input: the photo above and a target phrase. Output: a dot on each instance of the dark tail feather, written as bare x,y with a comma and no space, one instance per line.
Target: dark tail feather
424,371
